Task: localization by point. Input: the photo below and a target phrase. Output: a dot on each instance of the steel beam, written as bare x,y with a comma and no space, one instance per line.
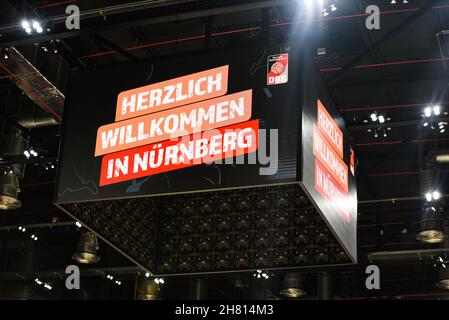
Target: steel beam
412,18
191,11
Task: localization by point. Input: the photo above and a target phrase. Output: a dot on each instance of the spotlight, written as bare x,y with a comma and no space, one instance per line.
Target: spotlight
27,154
433,195
147,275
79,225
261,274
374,117
432,110
147,290
25,24
293,286
87,249
9,192
443,279
381,119
4,54
437,110
436,195
431,226
37,26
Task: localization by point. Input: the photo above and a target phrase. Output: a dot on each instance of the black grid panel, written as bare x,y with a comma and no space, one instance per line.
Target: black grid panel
272,227
129,224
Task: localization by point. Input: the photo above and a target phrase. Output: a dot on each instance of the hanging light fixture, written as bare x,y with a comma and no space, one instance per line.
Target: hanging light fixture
87,249
9,191
293,286
431,226
147,289
443,278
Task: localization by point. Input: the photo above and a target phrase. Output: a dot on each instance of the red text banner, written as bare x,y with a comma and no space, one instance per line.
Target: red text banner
330,129
326,154
170,124
172,93
181,153
326,185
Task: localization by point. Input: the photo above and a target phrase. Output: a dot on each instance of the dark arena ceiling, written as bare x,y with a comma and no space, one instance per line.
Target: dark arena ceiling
381,81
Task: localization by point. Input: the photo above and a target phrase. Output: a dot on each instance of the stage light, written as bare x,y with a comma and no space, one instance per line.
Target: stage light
87,249
374,117
433,195
147,275
27,27
437,110
428,112
431,226
4,54
9,192
436,195
443,279
293,286
147,290
79,225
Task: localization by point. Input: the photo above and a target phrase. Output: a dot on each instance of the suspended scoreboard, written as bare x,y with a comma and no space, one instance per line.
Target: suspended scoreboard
142,139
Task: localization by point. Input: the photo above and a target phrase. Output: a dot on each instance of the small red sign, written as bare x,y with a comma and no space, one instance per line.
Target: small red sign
277,72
